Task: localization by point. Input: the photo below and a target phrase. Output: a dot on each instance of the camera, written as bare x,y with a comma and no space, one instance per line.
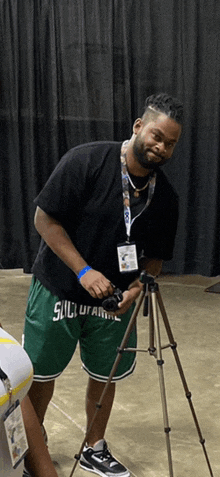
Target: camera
111,303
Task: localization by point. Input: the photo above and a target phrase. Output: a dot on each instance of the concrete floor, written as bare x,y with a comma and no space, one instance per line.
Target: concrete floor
135,433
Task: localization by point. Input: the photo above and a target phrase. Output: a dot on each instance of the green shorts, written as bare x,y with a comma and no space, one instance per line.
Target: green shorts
53,327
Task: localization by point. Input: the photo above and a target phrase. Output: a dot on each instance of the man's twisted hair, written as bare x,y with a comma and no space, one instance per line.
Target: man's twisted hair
166,104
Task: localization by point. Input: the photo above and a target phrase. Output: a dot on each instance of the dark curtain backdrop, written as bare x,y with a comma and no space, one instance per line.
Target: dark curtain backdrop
74,71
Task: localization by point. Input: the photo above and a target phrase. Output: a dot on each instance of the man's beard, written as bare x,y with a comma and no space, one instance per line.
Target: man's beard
142,156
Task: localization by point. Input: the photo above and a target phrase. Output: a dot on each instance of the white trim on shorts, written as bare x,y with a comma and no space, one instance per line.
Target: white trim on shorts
104,379
43,379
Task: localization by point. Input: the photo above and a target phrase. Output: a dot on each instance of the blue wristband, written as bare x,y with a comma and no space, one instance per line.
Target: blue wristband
83,271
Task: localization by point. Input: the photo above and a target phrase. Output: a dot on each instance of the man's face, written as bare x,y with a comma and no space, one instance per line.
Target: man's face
155,140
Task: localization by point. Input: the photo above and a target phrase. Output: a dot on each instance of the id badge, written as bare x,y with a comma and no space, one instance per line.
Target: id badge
15,433
127,257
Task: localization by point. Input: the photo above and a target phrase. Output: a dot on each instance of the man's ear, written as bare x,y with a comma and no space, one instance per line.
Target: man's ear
137,125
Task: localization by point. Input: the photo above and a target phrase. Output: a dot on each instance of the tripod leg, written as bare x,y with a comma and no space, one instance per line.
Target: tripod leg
152,349
160,363
173,346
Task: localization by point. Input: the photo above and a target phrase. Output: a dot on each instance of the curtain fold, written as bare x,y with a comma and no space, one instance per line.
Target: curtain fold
79,71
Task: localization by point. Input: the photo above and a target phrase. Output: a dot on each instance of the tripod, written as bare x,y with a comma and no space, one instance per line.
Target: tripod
152,304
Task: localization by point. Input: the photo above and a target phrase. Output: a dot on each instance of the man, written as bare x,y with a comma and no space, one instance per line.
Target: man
104,207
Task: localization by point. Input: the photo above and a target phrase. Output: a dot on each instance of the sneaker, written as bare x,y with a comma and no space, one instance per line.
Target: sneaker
26,473
43,430
98,459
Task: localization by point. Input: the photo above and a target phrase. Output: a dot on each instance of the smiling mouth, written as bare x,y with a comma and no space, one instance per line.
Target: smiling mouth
153,156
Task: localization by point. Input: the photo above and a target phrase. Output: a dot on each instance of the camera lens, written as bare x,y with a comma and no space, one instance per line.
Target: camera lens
110,304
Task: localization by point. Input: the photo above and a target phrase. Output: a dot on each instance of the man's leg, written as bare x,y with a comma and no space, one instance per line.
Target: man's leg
94,392
96,456
37,461
98,344
40,395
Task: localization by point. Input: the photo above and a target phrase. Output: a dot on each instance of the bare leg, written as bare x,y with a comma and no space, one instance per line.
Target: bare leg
94,391
38,461
40,395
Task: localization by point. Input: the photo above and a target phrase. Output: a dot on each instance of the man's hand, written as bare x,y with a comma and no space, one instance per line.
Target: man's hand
97,285
129,296
152,266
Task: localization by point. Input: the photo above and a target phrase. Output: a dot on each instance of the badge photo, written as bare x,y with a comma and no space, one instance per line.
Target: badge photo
127,257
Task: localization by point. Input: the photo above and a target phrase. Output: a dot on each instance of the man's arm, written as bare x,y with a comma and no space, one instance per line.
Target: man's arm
60,243
93,281
151,266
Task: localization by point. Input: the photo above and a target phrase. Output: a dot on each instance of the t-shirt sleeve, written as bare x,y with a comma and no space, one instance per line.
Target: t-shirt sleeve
65,189
162,219
167,233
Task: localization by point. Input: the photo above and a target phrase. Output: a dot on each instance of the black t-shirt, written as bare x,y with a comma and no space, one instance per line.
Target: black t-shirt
84,193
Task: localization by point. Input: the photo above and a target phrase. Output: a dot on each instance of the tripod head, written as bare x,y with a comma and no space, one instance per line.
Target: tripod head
150,285
147,279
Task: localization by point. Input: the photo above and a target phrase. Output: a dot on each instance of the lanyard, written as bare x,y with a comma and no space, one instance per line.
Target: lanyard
125,191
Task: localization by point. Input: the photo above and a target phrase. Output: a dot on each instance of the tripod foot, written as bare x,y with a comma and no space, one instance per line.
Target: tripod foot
167,430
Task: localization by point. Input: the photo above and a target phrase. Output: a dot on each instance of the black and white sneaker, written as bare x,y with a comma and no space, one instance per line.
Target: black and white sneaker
44,432
98,459
26,473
